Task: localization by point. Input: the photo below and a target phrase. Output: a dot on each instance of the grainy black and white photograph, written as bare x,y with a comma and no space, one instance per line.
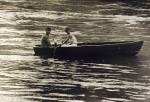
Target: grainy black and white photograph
74,50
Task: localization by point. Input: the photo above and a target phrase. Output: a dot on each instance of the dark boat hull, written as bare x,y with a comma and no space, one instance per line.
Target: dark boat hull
94,50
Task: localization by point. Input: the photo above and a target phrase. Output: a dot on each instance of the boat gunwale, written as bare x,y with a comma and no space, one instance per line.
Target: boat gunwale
93,44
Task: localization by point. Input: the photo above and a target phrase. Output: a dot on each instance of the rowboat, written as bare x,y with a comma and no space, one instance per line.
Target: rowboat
94,50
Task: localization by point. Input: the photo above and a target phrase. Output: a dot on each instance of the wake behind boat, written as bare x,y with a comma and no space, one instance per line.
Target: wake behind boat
91,50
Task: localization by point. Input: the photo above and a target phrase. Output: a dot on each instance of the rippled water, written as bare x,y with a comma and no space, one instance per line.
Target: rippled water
28,78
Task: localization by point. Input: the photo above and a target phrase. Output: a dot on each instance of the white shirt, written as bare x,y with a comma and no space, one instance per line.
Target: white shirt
71,40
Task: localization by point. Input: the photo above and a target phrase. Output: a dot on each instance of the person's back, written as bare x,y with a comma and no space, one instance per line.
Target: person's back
45,41
74,39
45,38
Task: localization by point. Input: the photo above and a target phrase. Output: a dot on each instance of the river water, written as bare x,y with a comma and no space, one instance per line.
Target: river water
28,78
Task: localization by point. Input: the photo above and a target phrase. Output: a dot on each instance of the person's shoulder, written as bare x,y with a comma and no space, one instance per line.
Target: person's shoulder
45,36
70,35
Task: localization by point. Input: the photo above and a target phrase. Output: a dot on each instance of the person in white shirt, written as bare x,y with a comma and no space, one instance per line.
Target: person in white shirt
71,39
45,42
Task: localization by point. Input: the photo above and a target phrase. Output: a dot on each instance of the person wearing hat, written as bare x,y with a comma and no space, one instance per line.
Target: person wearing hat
45,42
71,39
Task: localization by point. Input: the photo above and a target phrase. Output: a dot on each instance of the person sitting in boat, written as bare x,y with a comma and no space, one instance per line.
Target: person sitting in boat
71,39
45,42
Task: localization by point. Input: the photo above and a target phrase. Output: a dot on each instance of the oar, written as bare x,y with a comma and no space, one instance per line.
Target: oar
55,47
54,52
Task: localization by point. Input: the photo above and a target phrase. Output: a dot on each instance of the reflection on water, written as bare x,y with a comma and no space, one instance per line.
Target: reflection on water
65,80
24,77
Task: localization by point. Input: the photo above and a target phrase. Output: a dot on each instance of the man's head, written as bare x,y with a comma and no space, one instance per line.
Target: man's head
48,30
68,30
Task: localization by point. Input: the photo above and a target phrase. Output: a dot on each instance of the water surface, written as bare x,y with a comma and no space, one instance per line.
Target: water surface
28,78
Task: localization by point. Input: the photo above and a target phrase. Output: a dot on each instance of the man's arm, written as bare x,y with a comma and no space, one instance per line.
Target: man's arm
66,40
